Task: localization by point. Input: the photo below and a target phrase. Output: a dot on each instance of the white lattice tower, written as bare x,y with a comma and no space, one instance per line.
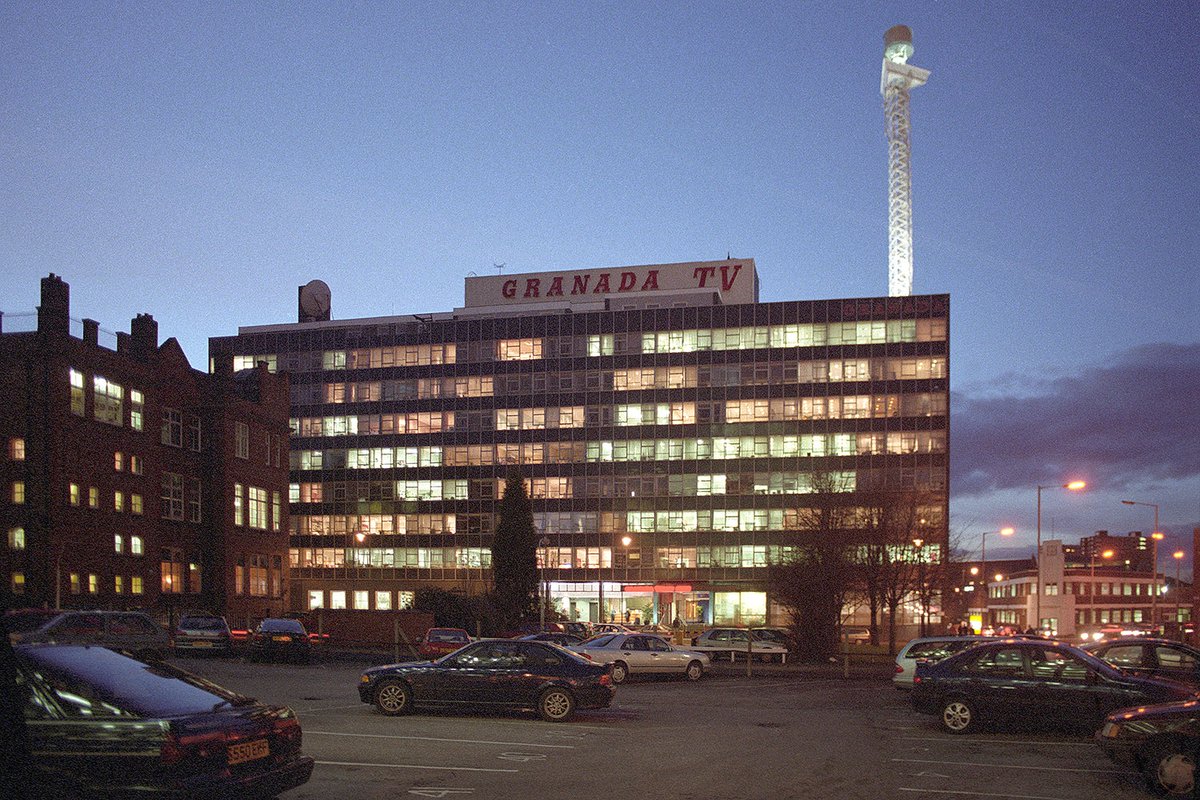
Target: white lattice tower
897,79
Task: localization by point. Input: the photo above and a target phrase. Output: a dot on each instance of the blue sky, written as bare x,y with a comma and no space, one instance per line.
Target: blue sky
199,161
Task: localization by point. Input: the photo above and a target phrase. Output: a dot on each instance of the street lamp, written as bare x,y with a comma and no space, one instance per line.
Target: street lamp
626,540
1178,556
983,567
1157,536
1073,486
1106,554
917,542
543,543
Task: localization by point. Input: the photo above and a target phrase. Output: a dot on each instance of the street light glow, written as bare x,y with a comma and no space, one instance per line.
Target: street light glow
1075,486
1178,554
1157,536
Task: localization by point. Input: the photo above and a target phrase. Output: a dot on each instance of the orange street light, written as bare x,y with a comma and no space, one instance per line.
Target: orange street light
983,565
1073,486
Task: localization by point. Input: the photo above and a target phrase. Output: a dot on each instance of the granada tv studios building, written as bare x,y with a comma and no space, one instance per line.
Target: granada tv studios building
670,426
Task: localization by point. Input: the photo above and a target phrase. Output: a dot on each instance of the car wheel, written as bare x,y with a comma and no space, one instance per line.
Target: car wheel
556,705
393,698
620,671
695,670
958,716
1169,770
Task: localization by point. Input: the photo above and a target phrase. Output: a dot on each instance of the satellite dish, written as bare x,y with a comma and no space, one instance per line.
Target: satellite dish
314,302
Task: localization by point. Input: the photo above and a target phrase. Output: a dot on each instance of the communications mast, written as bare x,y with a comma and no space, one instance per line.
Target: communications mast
897,79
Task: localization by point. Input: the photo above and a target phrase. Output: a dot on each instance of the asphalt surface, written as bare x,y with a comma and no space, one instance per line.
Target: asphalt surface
787,731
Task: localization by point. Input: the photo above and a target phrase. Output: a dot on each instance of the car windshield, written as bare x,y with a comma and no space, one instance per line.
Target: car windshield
448,636
202,623
153,691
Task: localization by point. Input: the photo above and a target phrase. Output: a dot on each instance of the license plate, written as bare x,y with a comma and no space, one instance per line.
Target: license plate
248,751
201,644
1111,730
281,638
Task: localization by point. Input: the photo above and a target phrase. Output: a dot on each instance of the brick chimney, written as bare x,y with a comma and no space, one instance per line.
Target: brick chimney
54,313
144,330
91,332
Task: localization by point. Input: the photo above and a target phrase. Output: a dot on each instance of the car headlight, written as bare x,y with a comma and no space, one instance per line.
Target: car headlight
365,679
1111,730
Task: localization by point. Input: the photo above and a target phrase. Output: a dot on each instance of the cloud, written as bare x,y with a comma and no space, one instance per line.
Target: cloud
1121,424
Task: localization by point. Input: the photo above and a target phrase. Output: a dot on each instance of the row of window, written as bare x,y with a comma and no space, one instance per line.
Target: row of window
361,599
880,406
121,584
108,401
257,508
625,379
258,575
815,445
1080,588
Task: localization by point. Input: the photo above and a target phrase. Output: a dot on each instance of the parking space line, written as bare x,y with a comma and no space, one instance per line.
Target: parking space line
436,739
965,793
992,741
410,766
326,708
1012,766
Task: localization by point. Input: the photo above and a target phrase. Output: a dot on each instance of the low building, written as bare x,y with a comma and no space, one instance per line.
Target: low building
131,480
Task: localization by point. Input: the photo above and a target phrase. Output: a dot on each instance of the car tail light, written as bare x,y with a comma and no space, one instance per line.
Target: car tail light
917,679
606,679
899,669
287,731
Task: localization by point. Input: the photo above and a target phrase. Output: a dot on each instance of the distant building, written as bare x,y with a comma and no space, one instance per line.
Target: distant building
1133,551
671,427
131,480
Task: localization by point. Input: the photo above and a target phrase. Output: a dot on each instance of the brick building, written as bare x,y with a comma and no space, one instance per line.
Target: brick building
132,480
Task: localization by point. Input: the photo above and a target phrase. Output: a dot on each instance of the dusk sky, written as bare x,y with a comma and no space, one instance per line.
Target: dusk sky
199,161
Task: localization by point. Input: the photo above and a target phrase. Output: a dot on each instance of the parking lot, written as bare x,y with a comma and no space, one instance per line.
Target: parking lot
780,734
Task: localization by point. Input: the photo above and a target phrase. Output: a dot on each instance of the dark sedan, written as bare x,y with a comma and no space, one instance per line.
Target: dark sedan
1026,680
1161,741
100,724
493,673
1159,658
276,639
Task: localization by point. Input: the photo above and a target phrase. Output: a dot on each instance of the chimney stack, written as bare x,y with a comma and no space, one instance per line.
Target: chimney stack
144,330
54,313
91,332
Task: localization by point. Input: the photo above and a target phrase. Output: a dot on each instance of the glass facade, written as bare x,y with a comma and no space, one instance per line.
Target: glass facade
669,452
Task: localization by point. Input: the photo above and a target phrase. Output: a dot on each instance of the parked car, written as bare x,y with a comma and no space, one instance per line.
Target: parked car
732,642
560,639
1159,740
103,725
207,633
610,627
280,639
581,629
783,636
1154,657
927,649
631,653
438,642
130,631
493,673
1028,680
854,634
22,620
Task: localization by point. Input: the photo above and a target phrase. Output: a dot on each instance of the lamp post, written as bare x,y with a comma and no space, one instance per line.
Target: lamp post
983,568
920,579
626,540
1073,486
1157,536
543,543
1178,556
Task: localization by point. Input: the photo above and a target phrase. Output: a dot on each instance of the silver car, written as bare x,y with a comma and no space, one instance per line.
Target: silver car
631,653
927,649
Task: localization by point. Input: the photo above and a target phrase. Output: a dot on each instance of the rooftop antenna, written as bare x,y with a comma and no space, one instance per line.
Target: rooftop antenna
897,79
499,268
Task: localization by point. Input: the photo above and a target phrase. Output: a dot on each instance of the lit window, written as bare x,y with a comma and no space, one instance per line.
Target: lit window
118,501
258,576
194,584
258,508
135,545
93,497
77,393
135,503
337,599
276,511
18,492
362,600
18,583
16,538
172,570
118,461
405,600
119,584
136,409
239,512
75,585
107,401
135,584
118,543
73,494
93,583
16,449
135,465
383,601
316,599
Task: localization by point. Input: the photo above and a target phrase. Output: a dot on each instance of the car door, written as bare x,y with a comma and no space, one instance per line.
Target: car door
997,681
636,653
1173,662
1070,691
460,679
665,658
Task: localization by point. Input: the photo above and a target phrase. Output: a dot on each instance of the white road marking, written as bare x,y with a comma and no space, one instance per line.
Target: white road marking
439,791
326,708
964,793
522,757
956,739
410,766
1011,766
437,739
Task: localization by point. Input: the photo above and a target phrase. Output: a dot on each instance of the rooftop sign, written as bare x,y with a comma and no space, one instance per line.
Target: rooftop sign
734,279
